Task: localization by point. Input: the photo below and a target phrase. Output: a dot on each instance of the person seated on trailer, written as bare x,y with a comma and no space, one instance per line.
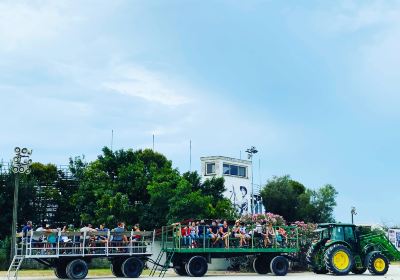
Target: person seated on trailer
224,233
194,233
118,234
237,234
270,237
102,238
37,236
136,230
281,236
25,231
203,230
214,232
258,233
244,233
51,236
86,231
185,233
64,234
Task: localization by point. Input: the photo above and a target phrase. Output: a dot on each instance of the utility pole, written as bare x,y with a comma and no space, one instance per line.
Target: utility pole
20,165
250,152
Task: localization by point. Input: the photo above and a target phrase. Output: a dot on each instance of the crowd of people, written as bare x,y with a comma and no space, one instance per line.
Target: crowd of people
219,234
87,235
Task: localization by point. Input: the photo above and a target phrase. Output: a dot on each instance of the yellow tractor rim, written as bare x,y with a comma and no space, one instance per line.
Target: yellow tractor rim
341,260
379,265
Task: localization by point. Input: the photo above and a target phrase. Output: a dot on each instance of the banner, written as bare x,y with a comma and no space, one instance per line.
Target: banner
394,237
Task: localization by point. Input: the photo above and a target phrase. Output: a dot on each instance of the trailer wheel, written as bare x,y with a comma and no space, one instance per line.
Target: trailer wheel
77,269
60,270
132,267
116,267
261,265
279,266
179,268
378,263
197,266
339,259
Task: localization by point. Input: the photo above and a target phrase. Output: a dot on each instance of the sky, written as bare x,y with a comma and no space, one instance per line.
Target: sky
313,85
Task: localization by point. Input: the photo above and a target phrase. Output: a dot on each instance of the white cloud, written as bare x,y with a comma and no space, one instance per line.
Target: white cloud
23,23
148,85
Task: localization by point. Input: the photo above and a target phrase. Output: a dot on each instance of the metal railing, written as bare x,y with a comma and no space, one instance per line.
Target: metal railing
53,244
285,238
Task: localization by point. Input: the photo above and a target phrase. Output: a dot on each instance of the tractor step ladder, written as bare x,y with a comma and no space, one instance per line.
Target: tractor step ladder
12,273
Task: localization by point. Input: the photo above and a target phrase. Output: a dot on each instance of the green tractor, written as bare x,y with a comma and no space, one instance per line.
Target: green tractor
345,248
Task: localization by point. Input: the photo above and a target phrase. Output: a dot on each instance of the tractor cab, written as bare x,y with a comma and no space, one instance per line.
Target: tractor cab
331,233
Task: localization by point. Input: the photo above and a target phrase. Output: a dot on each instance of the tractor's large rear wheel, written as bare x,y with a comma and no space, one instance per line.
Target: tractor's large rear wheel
378,263
315,260
339,259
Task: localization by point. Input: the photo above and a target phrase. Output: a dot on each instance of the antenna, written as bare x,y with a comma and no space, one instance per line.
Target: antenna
190,155
112,138
153,142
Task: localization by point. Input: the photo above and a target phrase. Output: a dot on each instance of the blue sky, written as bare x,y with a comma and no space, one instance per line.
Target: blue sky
312,84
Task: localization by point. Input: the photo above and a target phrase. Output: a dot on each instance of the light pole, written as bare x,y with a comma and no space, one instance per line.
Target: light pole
353,213
250,152
20,165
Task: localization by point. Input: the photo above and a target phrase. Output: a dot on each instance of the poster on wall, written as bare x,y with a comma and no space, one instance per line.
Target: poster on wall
394,237
240,199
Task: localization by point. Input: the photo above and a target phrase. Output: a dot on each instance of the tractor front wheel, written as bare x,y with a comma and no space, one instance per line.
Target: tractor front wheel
339,259
378,263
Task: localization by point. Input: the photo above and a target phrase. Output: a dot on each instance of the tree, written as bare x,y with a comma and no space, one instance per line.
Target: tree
281,195
323,202
294,201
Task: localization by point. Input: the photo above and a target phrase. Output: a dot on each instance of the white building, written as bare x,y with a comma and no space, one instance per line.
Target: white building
238,177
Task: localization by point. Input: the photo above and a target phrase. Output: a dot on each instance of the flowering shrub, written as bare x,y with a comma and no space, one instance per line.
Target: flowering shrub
306,236
275,219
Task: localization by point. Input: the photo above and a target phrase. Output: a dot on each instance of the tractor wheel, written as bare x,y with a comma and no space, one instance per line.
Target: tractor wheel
261,264
279,266
339,259
378,263
132,267
116,267
60,270
356,270
179,268
315,260
77,269
197,266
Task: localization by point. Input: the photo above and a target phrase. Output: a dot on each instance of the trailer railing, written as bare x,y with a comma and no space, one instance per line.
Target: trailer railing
55,243
285,238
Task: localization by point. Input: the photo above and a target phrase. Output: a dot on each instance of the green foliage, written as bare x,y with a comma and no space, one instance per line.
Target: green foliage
295,202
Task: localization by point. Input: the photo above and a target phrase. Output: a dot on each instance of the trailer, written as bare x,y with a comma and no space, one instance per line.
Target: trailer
193,260
69,253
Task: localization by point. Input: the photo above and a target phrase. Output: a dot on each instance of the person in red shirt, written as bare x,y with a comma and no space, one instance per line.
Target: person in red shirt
187,239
